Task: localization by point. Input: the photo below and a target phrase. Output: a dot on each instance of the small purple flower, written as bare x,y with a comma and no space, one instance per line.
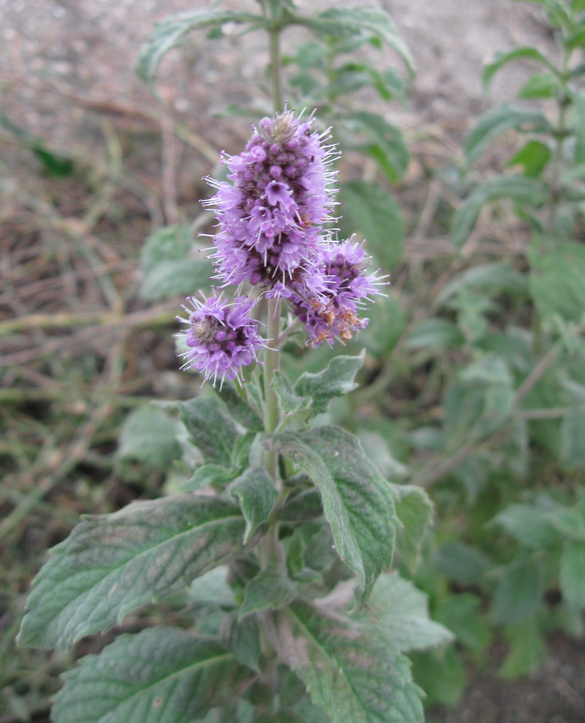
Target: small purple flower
221,338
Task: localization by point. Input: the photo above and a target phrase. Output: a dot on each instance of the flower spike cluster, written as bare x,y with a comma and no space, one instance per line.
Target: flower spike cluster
221,338
271,218
273,236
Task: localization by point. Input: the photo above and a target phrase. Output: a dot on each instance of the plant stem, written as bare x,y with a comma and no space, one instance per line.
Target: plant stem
271,365
269,548
561,132
275,68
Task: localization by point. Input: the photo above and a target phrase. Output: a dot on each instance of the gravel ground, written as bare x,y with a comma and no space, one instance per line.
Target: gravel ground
55,53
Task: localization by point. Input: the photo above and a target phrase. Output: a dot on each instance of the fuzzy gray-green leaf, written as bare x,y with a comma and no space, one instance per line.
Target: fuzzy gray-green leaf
415,510
372,211
501,119
271,588
112,564
367,20
358,502
239,408
170,266
572,577
256,493
161,675
522,53
353,672
334,381
557,278
149,435
172,31
402,611
210,430
520,189
289,401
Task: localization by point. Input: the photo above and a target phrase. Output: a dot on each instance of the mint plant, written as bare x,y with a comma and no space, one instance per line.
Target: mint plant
274,558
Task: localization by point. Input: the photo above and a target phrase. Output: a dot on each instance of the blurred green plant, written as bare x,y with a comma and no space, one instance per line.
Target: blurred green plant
513,404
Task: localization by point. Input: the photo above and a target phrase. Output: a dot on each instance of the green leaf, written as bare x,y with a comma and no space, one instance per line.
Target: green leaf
289,401
503,59
369,21
172,31
370,209
569,522
386,145
242,638
539,85
501,119
461,615
302,506
517,594
112,564
161,675
572,577
441,674
177,278
335,380
415,510
239,408
168,267
401,611
353,672
210,474
387,322
532,157
55,164
462,563
319,552
579,107
149,435
527,649
212,590
434,334
270,589
357,500
530,525
353,76
495,278
256,493
576,39
522,190
557,279
210,430
573,438
480,400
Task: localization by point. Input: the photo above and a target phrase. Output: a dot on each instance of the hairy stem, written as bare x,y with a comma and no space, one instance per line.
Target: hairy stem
269,547
275,69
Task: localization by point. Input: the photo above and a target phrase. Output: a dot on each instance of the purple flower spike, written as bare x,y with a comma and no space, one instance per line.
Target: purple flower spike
221,338
271,219
334,311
